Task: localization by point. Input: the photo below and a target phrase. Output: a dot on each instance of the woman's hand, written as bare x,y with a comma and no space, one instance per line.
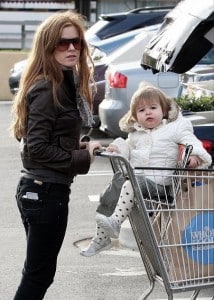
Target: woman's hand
83,145
91,147
193,161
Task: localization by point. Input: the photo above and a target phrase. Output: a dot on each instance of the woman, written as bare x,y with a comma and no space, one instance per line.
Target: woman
53,102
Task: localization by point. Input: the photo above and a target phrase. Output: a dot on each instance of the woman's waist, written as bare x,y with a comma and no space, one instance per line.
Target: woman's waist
46,175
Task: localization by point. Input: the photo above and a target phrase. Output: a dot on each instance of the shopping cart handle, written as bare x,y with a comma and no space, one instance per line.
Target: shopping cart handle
100,152
85,138
103,152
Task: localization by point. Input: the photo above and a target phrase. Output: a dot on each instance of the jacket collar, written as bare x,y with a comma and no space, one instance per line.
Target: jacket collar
139,127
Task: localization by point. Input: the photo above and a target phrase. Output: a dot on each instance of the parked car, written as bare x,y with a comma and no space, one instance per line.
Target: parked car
15,74
122,79
114,24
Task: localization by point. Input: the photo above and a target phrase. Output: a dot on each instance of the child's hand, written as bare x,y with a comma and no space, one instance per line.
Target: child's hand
193,161
112,148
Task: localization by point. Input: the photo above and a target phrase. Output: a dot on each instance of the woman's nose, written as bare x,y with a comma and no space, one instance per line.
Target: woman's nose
71,46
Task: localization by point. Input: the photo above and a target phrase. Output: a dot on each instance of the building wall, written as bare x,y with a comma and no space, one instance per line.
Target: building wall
11,34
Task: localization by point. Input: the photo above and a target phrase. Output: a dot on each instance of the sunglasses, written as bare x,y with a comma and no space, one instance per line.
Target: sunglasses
63,44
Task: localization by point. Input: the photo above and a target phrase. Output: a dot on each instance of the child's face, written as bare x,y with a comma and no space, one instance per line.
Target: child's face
150,114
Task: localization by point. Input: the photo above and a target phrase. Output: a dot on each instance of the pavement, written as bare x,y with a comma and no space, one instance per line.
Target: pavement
116,274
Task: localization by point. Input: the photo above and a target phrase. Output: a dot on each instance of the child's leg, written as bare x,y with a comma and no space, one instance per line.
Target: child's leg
101,234
126,201
101,241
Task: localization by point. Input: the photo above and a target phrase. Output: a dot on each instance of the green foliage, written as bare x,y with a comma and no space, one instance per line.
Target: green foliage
192,103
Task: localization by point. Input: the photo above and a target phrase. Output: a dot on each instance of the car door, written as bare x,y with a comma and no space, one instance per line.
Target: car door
184,37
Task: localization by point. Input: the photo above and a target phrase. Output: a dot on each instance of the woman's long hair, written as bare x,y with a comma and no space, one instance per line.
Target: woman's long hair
41,64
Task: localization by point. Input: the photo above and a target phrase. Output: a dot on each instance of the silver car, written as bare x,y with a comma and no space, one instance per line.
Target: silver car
123,79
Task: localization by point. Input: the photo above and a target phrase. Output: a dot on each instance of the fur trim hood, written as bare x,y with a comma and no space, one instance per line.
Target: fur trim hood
128,124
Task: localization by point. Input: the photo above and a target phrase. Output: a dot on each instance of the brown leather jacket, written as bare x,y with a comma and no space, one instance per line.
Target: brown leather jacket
53,133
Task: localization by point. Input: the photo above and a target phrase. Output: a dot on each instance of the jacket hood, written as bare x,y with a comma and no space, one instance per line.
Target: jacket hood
128,124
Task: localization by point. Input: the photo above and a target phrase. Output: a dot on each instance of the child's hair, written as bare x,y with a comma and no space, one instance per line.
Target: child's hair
145,93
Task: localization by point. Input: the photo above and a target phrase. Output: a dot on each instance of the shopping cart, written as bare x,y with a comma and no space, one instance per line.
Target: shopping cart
174,233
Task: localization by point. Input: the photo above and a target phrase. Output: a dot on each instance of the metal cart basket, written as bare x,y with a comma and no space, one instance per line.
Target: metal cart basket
174,233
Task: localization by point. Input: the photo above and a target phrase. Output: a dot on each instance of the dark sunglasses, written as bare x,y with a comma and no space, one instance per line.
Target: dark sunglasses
63,44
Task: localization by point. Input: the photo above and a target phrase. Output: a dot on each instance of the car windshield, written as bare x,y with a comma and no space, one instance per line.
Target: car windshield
208,59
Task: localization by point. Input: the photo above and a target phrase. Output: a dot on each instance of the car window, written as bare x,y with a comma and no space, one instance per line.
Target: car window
96,27
116,23
111,29
106,26
208,59
133,21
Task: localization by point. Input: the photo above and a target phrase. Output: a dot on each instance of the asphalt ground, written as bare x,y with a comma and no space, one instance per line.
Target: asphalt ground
116,274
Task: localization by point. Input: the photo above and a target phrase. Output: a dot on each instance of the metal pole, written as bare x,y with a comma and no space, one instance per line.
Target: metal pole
23,36
83,7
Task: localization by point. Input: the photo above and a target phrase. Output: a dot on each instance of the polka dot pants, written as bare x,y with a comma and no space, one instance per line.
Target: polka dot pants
125,203
126,200
123,208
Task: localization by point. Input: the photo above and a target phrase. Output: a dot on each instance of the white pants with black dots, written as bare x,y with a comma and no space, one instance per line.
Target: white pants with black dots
126,200
125,203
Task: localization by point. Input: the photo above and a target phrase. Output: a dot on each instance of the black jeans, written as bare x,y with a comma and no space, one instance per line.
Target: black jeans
44,212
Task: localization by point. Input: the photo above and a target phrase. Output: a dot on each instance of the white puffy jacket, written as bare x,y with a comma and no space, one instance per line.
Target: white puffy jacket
159,147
